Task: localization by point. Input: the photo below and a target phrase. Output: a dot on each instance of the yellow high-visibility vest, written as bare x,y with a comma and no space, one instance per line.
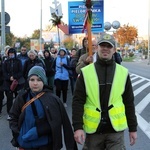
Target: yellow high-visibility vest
92,117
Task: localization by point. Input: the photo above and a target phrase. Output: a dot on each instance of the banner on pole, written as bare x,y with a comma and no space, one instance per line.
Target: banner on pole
76,16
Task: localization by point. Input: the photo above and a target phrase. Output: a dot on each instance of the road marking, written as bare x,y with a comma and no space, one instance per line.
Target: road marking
137,91
133,78
140,106
142,123
137,82
140,77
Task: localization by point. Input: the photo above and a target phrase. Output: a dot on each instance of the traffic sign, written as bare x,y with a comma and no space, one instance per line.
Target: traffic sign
7,18
7,29
57,10
17,44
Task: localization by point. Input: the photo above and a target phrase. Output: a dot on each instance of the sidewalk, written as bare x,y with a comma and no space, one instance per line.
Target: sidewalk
142,60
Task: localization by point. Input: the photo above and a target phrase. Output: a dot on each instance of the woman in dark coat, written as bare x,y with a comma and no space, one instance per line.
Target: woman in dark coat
1,87
32,61
12,69
50,72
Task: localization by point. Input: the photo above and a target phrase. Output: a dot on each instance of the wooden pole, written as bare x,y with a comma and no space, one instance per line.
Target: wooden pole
89,37
88,5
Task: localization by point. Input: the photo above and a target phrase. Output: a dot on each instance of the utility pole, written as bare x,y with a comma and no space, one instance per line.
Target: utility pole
41,28
2,27
149,32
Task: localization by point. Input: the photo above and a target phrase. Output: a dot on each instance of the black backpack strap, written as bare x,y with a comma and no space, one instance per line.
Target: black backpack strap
68,61
34,108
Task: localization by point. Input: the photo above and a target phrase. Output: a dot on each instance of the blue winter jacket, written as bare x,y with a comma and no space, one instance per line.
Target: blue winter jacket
61,72
28,136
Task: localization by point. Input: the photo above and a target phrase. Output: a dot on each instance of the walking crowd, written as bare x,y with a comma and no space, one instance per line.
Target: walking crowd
36,85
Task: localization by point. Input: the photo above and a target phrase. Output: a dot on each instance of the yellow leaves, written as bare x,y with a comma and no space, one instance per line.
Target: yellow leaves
68,42
126,34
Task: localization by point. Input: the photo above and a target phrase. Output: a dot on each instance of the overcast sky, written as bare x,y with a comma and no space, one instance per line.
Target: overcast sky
25,14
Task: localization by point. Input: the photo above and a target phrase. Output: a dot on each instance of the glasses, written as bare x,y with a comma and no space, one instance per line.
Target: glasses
106,45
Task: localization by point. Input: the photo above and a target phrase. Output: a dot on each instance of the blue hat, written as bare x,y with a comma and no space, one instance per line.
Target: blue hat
40,72
62,49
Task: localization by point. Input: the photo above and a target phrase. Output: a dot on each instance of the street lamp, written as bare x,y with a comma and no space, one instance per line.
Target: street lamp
115,25
107,26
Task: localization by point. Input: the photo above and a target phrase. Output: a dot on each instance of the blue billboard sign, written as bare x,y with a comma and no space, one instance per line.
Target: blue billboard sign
76,16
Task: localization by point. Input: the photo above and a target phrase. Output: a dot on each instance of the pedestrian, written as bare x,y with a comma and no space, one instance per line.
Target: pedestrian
41,56
61,78
5,55
50,72
53,52
1,86
37,117
84,48
29,63
103,102
11,72
85,59
117,57
72,68
23,56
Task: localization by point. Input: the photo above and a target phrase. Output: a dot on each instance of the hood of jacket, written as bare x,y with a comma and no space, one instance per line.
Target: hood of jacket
62,49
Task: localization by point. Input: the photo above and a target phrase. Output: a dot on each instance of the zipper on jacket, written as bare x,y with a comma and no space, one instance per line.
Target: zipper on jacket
48,113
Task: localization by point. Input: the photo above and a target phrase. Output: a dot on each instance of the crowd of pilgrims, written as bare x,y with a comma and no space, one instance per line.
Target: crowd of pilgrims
59,66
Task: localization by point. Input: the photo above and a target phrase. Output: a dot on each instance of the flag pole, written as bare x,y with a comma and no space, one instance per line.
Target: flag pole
87,23
89,37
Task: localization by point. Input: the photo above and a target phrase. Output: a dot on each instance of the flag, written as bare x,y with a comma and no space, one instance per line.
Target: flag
88,14
85,22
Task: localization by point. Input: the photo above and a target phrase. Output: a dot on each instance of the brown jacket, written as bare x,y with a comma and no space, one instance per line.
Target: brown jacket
81,63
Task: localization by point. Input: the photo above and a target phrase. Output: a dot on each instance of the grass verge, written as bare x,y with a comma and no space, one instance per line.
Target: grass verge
128,59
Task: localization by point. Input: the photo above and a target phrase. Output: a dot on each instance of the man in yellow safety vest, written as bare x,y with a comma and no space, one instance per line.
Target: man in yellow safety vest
103,102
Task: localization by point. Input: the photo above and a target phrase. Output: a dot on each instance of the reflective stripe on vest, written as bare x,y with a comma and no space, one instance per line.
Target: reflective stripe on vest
92,117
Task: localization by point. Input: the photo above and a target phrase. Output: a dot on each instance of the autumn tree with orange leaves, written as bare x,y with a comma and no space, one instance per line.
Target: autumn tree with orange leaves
68,43
126,34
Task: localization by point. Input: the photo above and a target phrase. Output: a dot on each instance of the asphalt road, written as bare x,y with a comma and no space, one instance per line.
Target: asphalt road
139,67
143,141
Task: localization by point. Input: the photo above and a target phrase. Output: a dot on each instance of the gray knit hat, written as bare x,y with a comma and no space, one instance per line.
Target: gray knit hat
40,72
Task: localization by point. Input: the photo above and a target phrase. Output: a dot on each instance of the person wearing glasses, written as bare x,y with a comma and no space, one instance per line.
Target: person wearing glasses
85,59
103,102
